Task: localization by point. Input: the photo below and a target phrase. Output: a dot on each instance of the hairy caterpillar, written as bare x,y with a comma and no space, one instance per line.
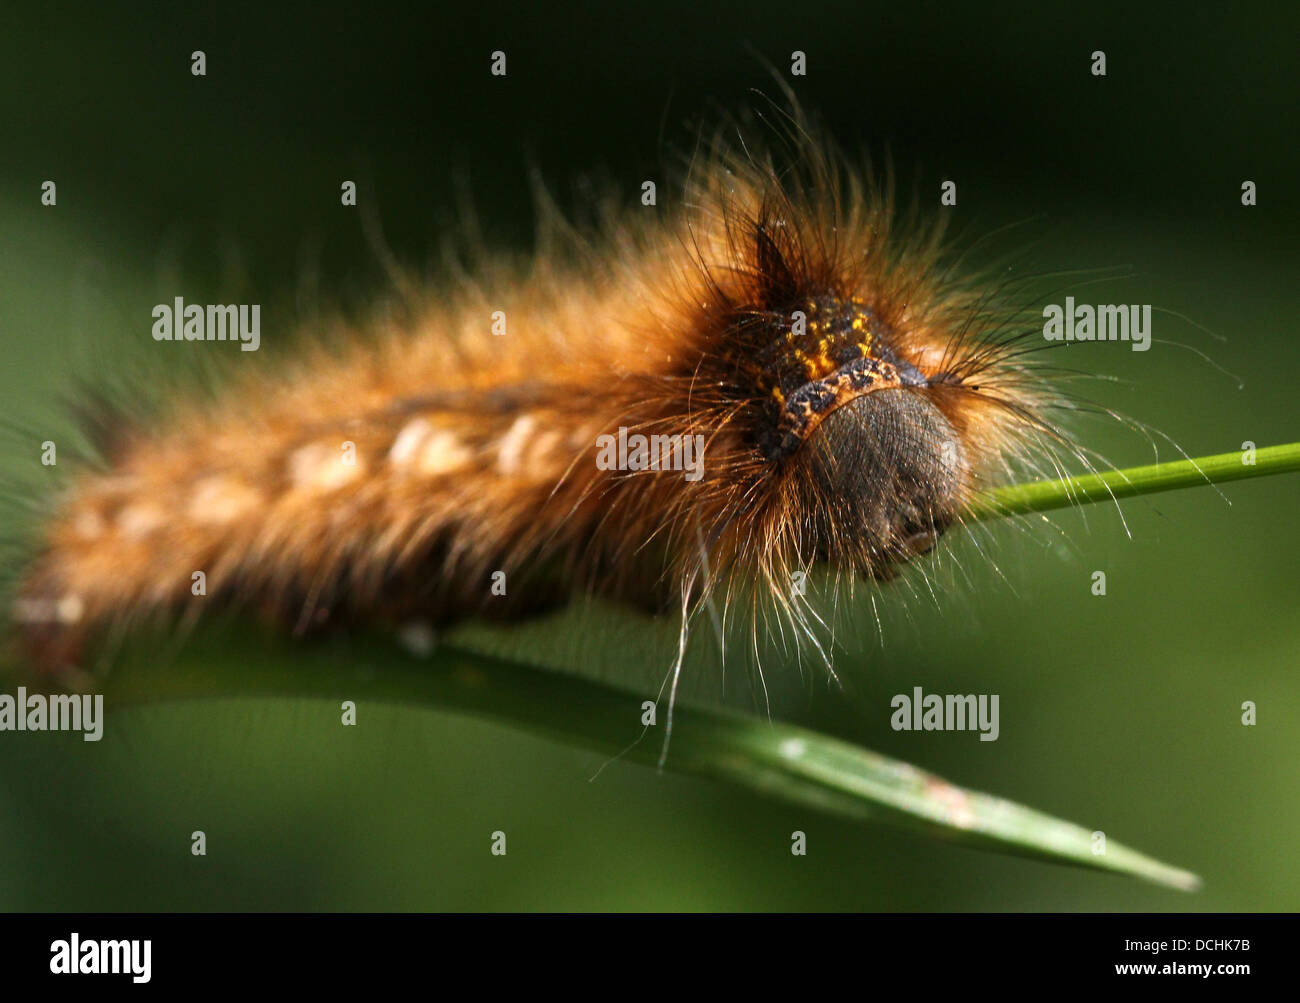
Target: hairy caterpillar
813,379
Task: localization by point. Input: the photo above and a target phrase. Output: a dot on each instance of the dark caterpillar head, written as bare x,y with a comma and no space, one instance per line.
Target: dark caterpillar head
886,474
873,386
880,470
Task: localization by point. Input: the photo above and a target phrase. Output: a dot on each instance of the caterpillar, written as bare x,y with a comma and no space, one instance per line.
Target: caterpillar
683,410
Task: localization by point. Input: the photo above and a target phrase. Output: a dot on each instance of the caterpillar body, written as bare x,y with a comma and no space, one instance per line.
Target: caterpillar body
686,409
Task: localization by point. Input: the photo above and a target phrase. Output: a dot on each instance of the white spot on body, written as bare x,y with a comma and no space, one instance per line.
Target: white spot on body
408,442
88,524
222,499
583,436
139,519
444,453
544,448
70,609
427,450
67,609
320,467
511,449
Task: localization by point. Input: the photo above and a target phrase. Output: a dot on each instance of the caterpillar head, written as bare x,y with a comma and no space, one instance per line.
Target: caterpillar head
887,476
880,392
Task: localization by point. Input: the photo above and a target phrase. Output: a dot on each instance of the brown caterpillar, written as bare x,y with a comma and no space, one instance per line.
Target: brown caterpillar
841,389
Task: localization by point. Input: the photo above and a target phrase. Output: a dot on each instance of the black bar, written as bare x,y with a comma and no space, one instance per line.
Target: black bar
867,952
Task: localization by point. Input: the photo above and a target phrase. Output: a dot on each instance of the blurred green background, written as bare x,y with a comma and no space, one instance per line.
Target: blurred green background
1121,713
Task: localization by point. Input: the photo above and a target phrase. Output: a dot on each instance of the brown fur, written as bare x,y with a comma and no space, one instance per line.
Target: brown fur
475,453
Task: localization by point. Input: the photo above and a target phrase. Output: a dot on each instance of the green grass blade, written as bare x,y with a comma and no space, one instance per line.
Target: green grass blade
1042,496
776,760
